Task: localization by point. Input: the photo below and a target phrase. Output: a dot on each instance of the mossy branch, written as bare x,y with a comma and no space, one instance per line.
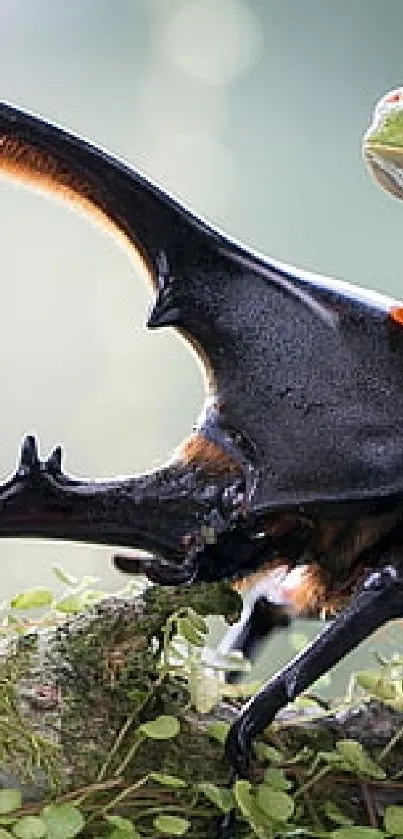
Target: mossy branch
97,713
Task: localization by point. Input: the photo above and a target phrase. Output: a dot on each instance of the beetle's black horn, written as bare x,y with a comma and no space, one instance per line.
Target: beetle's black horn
169,512
44,155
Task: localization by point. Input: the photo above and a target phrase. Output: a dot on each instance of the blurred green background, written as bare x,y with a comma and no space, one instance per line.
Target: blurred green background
252,114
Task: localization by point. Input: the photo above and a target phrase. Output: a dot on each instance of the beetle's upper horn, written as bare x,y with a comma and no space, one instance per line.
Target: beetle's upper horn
44,155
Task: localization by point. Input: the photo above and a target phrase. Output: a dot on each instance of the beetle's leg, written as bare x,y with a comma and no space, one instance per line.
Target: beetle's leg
264,612
380,600
157,569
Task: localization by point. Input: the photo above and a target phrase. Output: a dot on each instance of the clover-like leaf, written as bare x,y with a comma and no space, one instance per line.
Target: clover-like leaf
276,778
222,797
394,820
218,731
277,805
247,803
63,821
10,800
190,633
172,825
29,827
33,598
372,681
198,621
162,728
358,759
265,752
70,604
122,828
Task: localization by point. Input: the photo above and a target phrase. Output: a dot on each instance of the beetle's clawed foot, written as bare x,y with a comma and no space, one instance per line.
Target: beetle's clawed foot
238,747
157,569
31,466
134,564
237,752
225,826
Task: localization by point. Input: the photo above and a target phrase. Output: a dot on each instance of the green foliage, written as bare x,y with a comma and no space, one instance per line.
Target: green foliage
30,827
218,731
76,597
34,598
350,756
171,825
221,797
10,799
394,820
385,683
53,822
291,793
162,728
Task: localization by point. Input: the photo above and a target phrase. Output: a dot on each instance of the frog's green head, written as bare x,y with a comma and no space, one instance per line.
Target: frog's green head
383,143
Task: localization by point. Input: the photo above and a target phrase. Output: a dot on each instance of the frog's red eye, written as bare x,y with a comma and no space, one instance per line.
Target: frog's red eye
394,97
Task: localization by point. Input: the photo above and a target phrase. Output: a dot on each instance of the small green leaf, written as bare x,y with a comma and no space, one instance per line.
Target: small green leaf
358,760
123,828
188,631
137,696
63,576
334,814
162,728
356,832
10,800
120,822
335,759
277,805
88,598
62,821
220,796
242,691
34,598
218,731
199,623
172,825
394,820
276,778
269,753
250,809
204,691
4,834
29,827
71,604
375,684
167,780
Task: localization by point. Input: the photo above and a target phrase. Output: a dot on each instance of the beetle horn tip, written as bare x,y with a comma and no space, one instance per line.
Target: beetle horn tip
29,457
54,462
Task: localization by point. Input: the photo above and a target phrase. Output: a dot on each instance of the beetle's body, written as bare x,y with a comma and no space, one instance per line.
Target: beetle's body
297,459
